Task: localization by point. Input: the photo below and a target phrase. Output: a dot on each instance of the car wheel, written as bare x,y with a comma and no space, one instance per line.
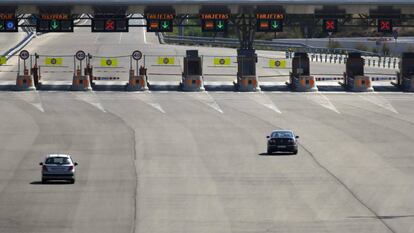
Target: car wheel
72,181
295,152
44,181
269,152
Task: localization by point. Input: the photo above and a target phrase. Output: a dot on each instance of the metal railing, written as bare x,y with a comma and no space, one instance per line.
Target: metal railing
264,44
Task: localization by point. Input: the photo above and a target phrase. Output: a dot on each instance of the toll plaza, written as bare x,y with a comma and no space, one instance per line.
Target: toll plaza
194,71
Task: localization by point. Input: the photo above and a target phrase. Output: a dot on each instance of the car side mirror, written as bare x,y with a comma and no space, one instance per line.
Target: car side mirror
297,137
76,164
267,136
41,164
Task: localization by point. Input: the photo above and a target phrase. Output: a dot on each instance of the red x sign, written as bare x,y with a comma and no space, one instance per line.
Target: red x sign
385,25
330,25
109,25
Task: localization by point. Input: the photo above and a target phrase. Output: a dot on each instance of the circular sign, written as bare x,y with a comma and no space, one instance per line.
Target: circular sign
277,63
166,60
222,61
80,55
108,62
53,61
24,54
137,55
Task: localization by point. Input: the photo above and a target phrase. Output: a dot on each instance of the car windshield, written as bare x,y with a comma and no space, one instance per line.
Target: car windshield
282,134
58,160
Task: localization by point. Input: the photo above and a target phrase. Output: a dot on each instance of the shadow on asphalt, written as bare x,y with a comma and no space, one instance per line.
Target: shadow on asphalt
210,88
276,154
50,183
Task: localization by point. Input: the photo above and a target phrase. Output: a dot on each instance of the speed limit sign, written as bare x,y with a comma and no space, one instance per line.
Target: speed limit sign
24,55
137,55
80,55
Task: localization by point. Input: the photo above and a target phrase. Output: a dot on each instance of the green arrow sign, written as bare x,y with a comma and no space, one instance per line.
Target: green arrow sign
275,24
165,25
54,24
220,24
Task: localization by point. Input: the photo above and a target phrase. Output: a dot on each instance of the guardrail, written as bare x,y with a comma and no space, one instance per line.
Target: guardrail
274,45
330,55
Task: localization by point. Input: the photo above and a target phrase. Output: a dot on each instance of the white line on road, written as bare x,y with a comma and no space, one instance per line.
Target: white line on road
147,99
32,98
379,101
91,99
262,99
120,38
206,99
322,100
157,106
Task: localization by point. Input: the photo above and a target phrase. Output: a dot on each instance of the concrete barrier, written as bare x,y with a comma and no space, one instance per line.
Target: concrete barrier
136,82
192,83
25,82
304,84
360,84
80,82
248,84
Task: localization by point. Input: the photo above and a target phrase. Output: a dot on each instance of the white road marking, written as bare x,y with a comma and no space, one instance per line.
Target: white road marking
33,98
96,39
120,38
379,101
91,99
322,100
147,99
262,99
206,99
157,106
144,32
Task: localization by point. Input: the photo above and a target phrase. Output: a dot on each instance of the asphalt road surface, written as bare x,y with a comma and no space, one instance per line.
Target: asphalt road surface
196,162
173,162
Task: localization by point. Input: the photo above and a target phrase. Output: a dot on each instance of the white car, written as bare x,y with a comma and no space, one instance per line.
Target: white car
58,167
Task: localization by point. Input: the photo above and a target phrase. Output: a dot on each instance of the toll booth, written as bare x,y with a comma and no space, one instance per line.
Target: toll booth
192,77
300,78
354,78
246,72
24,80
81,79
138,82
406,74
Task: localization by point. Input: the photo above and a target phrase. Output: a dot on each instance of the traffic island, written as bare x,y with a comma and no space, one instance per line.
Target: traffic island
80,82
300,78
192,77
247,80
137,82
405,77
25,82
354,77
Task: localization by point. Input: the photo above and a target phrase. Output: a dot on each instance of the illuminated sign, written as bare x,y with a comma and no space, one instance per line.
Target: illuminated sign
159,21
8,22
269,22
214,22
110,23
385,25
56,22
330,25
